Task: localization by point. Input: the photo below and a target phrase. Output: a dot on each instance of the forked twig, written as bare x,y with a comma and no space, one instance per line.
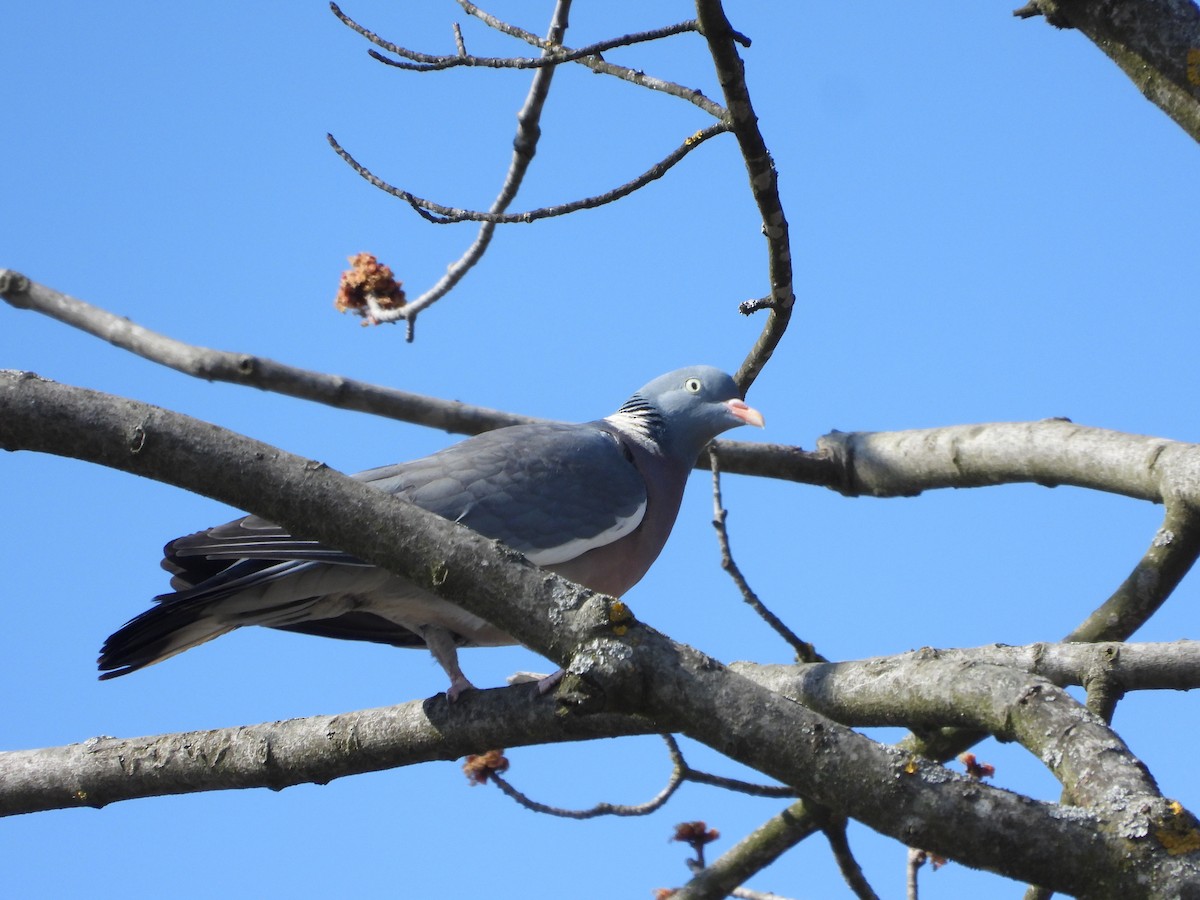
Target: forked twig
680,772
603,67
524,146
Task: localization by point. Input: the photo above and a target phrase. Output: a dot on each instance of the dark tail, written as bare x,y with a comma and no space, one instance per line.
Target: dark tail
157,634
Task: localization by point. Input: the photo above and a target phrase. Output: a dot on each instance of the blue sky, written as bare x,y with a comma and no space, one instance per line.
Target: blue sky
988,221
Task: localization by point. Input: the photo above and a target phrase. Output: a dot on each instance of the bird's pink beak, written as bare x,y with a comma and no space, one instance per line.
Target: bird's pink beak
748,414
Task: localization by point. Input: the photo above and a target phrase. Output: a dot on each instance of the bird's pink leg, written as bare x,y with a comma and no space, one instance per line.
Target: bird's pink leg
441,644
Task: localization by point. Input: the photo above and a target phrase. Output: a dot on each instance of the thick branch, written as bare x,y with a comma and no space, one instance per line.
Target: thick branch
276,755
928,690
1051,452
1155,42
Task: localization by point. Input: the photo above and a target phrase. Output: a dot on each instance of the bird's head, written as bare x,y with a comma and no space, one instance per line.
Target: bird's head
683,410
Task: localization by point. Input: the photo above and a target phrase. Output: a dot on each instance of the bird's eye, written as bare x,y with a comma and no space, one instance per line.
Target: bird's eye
692,385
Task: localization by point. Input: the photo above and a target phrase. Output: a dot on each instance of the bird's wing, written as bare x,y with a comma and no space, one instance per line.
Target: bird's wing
550,491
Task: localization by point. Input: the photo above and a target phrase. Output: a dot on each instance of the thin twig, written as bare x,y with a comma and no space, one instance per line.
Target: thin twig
524,146
441,63
431,62
805,652
600,809
603,67
764,184
687,773
447,215
835,833
249,370
916,859
678,768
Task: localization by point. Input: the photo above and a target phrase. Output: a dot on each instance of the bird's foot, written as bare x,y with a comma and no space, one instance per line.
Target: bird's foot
458,684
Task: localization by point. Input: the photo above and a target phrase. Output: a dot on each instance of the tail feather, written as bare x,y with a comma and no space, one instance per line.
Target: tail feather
158,634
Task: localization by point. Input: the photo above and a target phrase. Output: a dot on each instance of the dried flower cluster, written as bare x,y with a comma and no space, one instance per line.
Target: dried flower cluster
368,287
479,767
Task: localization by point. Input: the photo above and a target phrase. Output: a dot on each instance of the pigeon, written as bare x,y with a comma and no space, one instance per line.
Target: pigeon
592,502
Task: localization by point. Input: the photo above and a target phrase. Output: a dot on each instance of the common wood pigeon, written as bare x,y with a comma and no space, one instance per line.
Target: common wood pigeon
593,502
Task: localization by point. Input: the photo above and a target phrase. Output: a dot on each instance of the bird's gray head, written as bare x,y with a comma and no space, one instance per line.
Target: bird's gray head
683,410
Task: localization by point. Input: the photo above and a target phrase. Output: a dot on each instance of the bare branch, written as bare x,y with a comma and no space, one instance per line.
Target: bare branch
1170,556
603,809
1155,42
880,464
803,649
250,370
1051,452
838,688
752,854
440,63
602,67
313,750
764,183
430,62
928,689
637,670
851,871
448,215
524,147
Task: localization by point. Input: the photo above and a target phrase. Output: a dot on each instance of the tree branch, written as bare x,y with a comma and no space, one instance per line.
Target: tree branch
614,662
1171,554
276,755
1155,42
752,854
764,183
524,147
449,215
248,369
432,62
804,650
678,776
1050,452
600,66
852,872
924,689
